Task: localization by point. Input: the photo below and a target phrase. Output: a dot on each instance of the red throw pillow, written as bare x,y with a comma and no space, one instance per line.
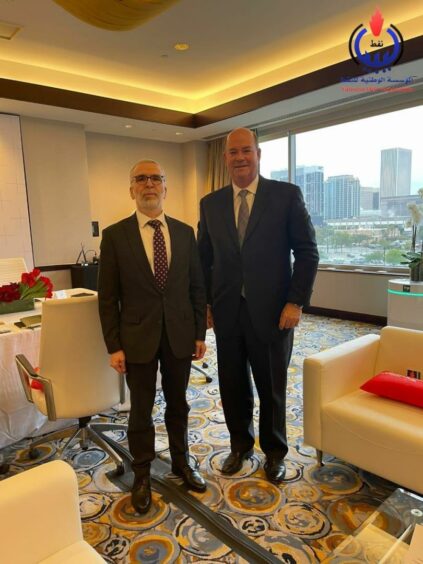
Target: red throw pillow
396,387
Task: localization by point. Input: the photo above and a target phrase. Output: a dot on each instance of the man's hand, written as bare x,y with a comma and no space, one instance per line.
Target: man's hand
290,316
210,324
200,350
117,361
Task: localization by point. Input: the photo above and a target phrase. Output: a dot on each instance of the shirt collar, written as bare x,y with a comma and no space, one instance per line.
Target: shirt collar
251,187
144,219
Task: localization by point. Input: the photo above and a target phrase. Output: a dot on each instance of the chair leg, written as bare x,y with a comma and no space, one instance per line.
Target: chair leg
319,454
72,437
98,440
55,436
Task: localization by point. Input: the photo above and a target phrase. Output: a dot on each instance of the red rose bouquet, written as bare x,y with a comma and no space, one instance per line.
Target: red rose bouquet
32,285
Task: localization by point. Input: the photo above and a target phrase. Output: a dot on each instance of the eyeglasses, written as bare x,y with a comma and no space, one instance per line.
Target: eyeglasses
144,178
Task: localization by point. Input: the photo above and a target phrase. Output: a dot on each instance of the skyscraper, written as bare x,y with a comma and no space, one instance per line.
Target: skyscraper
342,197
310,180
395,172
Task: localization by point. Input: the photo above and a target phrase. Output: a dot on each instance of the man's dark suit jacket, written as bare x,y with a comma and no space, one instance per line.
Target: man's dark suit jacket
133,308
279,222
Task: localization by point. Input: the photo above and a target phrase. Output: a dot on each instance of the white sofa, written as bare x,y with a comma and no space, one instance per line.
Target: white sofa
376,434
40,520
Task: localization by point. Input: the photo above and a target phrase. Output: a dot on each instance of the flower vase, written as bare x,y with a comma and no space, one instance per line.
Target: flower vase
416,273
17,305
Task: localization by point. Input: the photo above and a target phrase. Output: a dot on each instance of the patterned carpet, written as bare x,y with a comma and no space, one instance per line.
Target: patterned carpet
301,521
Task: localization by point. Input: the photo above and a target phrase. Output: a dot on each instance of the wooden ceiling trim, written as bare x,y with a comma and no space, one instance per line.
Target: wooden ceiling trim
49,96
16,90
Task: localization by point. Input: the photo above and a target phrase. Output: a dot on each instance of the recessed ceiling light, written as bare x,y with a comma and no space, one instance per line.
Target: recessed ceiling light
181,46
128,126
7,30
178,133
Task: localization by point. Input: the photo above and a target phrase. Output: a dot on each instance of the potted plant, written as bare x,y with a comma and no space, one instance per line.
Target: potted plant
413,258
19,296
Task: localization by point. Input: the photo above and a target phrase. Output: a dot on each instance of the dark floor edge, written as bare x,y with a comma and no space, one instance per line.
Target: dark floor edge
346,315
178,495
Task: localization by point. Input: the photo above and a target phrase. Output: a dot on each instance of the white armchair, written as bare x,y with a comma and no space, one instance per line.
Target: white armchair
377,434
74,380
40,520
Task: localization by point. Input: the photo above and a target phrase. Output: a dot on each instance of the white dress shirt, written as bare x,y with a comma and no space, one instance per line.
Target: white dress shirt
147,233
251,194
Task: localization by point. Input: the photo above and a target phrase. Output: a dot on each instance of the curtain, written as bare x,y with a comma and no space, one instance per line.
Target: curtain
217,175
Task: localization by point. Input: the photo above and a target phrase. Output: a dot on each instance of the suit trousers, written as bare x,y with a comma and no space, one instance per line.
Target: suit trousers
141,379
269,365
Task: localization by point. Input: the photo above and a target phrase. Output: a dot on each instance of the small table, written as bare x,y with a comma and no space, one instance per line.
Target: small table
405,303
385,536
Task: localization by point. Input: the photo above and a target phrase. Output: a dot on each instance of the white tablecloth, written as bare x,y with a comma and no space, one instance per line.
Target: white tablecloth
18,417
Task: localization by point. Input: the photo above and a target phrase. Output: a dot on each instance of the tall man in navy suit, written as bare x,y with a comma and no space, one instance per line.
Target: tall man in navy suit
247,231
152,304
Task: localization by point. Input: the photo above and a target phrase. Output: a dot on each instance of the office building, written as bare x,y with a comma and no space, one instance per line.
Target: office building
341,197
310,179
395,172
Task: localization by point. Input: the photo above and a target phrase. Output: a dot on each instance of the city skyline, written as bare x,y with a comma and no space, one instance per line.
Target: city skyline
353,148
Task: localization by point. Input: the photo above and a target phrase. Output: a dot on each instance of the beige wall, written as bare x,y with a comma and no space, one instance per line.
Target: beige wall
110,159
359,293
57,183
74,177
195,170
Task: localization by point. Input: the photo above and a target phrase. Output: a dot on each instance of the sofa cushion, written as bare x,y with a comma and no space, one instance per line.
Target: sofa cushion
396,387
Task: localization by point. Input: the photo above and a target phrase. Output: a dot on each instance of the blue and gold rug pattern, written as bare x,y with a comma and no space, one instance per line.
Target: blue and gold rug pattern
301,521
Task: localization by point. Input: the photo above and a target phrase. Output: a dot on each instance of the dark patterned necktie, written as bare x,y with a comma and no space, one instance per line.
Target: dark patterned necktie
159,254
243,216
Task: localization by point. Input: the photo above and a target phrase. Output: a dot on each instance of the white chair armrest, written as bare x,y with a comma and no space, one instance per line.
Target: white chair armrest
39,513
333,373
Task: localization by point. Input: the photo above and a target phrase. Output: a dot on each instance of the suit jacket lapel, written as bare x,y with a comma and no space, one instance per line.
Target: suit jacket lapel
174,236
133,234
260,202
228,213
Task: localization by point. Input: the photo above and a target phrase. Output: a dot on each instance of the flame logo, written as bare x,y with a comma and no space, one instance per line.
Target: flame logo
376,23
382,58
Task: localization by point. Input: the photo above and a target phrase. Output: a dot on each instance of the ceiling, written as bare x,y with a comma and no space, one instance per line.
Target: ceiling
237,47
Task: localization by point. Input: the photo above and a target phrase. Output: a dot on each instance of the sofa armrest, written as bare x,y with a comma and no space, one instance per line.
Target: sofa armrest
333,373
39,512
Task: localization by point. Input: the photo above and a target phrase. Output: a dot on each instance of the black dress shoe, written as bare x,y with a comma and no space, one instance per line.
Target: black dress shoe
275,470
141,494
233,462
191,477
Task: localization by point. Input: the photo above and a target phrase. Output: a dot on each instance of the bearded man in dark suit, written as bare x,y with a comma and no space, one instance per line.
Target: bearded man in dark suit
247,231
152,305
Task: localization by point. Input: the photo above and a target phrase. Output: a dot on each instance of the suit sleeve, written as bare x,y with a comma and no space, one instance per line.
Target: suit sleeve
304,247
205,250
109,293
197,292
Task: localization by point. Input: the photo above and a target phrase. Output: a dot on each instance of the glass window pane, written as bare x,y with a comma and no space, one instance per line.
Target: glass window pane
274,159
358,180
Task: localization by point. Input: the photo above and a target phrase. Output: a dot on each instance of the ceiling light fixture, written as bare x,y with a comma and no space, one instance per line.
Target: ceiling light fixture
8,30
128,126
178,133
181,46
115,15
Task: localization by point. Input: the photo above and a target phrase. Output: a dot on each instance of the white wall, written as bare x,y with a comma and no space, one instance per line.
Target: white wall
57,180
15,237
111,157
354,292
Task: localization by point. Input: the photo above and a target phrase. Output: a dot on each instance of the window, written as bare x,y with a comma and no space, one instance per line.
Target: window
358,179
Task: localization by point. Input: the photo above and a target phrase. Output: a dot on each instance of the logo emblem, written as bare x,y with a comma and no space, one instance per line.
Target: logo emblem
362,42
